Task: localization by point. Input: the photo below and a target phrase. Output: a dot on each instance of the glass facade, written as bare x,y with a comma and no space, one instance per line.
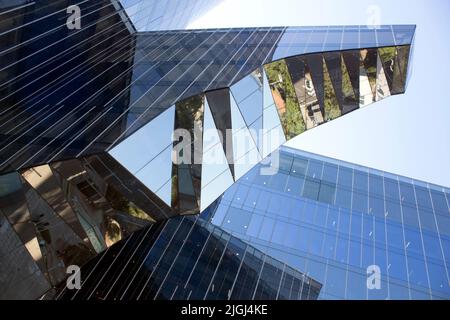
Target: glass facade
332,220
313,230
152,15
189,258
91,149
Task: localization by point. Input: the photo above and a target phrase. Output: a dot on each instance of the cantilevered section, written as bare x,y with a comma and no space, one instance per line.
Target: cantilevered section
241,124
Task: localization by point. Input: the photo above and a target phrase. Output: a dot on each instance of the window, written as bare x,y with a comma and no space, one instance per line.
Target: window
327,193
311,189
299,166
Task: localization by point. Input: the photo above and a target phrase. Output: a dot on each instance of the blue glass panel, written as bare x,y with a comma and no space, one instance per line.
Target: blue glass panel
321,216
252,197
329,245
237,220
438,279
329,173
432,246
315,242
410,217
439,202
342,250
393,211
354,251
279,232
266,229
327,193
343,198
417,272
384,36
316,270
344,222
443,223
255,225
407,194
333,39
397,266
403,34
367,37
309,212
293,236
391,189
380,235
311,189
316,40
427,220
345,177
356,286
376,206
219,215
263,201
294,185
293,42
335,284
360,181
351,37
315,169
332,219
299,166
423,198
376,185
395,235
360,202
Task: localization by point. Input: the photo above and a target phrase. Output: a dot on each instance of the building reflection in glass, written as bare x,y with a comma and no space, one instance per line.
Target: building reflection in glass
189,258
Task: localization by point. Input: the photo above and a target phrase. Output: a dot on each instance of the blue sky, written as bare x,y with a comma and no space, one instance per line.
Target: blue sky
407,134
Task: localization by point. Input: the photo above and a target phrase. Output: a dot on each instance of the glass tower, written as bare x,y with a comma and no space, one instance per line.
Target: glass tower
334,222
108,128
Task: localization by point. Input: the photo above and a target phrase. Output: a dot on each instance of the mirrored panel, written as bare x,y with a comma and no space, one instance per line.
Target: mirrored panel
400,70
147,153
367,76
383,89
387,57
219,105
331,80
350,83
187,155
285,98
248,94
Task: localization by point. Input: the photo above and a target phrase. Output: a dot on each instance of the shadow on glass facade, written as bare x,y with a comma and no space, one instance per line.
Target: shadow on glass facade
152,15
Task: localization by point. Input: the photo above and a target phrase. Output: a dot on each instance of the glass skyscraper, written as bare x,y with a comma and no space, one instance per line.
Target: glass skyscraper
122,140
330,219
333,220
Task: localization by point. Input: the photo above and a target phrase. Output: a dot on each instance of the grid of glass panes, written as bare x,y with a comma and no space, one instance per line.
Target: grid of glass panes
302,40
332,220
189,258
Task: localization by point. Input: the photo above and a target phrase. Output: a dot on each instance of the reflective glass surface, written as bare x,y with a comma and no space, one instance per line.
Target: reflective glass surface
86,146
332,220
108,79
189,258
151,15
